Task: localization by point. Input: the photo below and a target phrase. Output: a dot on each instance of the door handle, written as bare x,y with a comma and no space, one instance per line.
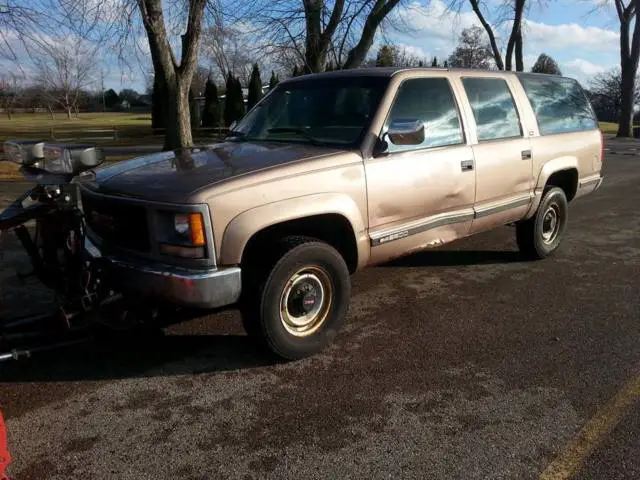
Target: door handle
466,165
526,155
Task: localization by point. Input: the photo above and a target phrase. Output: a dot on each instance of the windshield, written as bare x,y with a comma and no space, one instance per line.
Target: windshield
334,111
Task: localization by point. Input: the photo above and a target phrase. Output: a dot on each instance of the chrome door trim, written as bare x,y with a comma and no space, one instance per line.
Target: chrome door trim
429,223
501,207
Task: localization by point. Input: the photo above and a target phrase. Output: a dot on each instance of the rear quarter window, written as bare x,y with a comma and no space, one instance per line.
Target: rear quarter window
560,104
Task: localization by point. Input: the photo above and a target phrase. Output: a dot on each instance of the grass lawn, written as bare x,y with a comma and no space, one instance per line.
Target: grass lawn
131,128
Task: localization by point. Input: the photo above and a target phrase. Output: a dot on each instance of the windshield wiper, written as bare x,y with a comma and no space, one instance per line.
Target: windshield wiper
235,134
300,131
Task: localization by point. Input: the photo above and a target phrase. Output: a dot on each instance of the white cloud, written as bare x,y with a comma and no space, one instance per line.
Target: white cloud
412,50
434,24
583,68
570,36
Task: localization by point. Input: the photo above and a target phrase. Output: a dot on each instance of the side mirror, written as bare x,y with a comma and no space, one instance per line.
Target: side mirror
409,131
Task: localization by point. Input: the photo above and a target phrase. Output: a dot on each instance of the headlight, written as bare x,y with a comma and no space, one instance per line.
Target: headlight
71,159
24,152
182,234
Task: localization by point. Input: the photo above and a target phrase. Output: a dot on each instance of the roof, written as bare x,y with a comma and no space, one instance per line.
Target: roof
390,71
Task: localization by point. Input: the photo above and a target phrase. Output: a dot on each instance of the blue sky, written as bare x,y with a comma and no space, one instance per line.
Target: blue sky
583,42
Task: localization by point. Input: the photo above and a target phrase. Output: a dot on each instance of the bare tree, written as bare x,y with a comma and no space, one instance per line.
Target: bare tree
229,49
11,92
606,93
627,11
318,31
503,12
472,50
64,69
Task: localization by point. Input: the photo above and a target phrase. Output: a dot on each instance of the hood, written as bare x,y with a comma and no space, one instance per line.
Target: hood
174,176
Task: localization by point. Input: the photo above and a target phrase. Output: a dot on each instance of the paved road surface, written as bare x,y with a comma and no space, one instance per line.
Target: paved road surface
458,363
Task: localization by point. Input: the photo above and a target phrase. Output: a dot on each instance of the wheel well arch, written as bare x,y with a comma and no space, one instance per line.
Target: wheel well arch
332,228
566,179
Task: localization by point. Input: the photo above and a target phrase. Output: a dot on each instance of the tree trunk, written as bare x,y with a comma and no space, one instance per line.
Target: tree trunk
497,56
625,126
176,78
515,32
629,58
519,56
378,13
178,124
315,52
68,113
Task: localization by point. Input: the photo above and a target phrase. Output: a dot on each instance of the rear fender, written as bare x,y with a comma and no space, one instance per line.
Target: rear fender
548,169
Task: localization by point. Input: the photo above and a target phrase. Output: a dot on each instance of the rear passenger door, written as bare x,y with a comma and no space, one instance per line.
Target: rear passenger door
502,152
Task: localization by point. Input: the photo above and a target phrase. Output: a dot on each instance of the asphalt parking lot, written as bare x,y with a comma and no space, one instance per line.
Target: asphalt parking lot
464,362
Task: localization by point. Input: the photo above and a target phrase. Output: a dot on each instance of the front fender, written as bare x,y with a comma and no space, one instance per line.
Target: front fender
245,225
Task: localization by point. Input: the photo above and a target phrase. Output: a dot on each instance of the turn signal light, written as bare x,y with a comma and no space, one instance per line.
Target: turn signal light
196,229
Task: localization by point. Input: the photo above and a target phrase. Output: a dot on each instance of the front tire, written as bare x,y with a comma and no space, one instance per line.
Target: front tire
298,306
541,235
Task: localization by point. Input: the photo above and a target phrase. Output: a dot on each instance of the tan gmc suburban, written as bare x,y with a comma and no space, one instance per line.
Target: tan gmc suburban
333,172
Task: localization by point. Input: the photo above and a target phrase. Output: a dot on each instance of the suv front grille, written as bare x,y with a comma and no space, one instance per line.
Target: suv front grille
117,223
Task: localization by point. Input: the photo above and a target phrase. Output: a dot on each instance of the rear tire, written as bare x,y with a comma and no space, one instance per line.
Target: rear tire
296,303
540,236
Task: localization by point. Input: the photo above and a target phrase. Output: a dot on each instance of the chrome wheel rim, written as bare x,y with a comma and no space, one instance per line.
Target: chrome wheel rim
305,301
550,224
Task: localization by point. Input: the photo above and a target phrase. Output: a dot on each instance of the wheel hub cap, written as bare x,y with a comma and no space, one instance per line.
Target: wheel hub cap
305,301
550,224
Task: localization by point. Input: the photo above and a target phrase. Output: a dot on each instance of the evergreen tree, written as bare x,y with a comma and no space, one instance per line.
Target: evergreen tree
255,87
274,80
434,64
386,56
194,114
446,64
421,64
238,100
229,109
546,64
211,113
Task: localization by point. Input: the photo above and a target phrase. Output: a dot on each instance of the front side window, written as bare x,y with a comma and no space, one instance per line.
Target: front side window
493,108
329,111
431,101
560,104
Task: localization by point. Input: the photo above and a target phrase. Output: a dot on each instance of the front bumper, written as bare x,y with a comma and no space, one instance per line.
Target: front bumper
212,288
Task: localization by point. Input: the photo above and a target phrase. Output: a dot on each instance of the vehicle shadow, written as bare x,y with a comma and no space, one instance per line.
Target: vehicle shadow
152,355
456,258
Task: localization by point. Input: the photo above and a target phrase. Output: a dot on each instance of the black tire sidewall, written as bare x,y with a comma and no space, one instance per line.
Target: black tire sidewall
279,340
552,196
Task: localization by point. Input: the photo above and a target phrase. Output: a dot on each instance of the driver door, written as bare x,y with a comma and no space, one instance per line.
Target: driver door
421,195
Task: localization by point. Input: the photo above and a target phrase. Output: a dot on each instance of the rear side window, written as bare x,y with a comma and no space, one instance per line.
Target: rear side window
560,104
493,108
431,101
